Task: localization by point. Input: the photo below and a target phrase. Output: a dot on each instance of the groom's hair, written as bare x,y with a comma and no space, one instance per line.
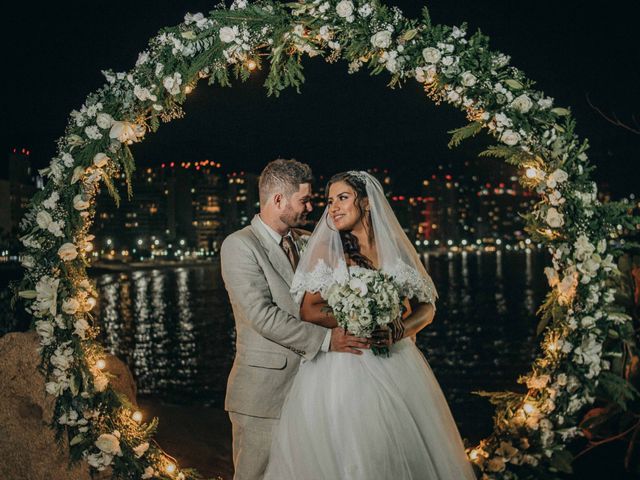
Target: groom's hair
283,176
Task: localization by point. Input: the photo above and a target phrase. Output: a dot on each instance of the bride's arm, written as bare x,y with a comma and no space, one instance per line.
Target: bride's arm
421,315
314,310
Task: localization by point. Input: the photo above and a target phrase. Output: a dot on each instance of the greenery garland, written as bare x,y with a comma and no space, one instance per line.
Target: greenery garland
584,333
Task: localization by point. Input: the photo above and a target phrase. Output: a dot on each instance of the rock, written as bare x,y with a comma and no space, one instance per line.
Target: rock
28,448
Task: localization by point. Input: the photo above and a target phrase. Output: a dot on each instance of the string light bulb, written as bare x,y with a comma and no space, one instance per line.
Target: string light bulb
251,65
101,364
88,247
137,416
529,408
188,89
531,172
170,468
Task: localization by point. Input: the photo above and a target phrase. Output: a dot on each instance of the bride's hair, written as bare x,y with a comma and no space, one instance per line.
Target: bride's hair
350,242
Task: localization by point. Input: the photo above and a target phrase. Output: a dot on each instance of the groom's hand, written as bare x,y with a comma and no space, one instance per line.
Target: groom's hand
342,341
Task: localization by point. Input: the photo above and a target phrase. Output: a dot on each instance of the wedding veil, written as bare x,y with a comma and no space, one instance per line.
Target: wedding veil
322,261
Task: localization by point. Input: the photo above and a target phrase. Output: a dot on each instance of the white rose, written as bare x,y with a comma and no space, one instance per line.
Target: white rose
381,39
510,137
557,176
453,96
468,79
100,160
104,120
80,202
43,219
431,55
70,305
554,218
228,34
522,103
344,9
109,444
67,252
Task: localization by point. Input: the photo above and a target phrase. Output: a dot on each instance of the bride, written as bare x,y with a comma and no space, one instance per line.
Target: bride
363,417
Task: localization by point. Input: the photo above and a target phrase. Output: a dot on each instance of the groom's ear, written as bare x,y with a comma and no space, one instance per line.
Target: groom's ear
277,199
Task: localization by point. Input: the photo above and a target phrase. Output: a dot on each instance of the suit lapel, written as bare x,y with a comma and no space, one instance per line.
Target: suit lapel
276,255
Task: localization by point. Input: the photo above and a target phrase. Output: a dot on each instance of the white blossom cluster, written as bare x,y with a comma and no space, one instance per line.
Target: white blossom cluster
368,299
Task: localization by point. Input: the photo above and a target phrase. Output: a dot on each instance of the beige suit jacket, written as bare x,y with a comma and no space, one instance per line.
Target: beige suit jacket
270,337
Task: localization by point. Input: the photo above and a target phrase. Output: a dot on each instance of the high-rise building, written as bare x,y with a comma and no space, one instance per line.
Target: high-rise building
18,184
242,201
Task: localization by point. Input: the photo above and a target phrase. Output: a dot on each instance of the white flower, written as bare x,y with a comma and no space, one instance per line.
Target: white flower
44,219
80,328
143,57
468,79
143,94
104,120
27,261
448,61
381,39
47,295
545,103
80,202
70,305
100,160
67,159
228,34
554,218
552,276
431,55
557,176
126,132
54,388
365,10
453,96
344,9
52,202
149,472
141,449
172,83
93,132
68,252
45,330
510,137
109,443
522,103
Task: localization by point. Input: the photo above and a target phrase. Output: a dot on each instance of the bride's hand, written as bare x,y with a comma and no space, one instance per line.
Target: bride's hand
342,341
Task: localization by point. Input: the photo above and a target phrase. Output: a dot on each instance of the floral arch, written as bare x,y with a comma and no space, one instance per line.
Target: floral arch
582,329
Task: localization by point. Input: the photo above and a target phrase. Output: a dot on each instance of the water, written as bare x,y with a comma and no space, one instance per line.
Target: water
174,328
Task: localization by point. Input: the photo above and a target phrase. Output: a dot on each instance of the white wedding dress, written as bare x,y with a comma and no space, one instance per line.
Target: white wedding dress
364,417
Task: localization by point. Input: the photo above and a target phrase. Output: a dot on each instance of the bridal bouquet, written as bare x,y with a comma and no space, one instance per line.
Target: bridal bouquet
368,300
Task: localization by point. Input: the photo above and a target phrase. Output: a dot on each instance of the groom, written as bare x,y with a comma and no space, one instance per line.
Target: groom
258,263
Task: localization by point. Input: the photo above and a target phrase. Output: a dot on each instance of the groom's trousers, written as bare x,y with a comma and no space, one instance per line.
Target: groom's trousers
251,445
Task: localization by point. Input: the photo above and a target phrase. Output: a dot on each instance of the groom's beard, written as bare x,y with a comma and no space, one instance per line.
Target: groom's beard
293,219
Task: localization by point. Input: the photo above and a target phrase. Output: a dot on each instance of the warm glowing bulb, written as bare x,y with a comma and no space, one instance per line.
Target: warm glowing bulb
529,408
101,364
88,246
473,455
137,416
251,65
91,302
531,172
188,89
170,468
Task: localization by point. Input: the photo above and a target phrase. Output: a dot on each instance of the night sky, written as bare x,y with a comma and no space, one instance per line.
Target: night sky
54,54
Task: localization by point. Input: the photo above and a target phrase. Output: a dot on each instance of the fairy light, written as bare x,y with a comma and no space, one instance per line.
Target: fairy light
101,364
251,65
531,172
91,302
88,246
137,416
529,408
170,468
188,89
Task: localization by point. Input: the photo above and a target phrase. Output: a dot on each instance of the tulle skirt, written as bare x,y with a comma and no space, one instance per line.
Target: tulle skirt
363,417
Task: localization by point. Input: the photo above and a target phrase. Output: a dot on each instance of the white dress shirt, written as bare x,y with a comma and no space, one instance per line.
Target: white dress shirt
326,344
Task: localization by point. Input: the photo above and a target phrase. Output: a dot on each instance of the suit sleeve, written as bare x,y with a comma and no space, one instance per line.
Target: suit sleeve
248,290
